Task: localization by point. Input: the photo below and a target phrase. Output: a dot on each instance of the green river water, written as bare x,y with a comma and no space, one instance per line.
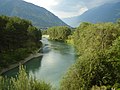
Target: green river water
52,65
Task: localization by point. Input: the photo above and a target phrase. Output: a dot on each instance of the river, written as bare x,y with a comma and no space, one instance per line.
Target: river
52,65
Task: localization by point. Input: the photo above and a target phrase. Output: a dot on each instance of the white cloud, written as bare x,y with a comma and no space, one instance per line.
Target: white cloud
68,8
48,4
44,3
63,14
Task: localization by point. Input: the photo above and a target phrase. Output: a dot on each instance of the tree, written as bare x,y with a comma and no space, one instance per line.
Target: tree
59,33
98,63
18,37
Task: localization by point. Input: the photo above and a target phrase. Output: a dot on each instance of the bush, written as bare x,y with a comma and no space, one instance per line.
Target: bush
23,82
98,47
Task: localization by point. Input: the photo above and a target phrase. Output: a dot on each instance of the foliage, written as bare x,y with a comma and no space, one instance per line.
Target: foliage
17,39
44,32
59,33
95,36
23,82
99,62
99,88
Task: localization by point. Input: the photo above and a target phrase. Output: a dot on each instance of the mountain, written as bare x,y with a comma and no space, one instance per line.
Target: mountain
72,21
109,12
38,15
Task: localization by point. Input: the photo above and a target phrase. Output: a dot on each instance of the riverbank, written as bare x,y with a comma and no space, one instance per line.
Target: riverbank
31,56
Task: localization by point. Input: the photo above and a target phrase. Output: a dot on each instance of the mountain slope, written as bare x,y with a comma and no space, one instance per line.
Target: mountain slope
38,15
106,13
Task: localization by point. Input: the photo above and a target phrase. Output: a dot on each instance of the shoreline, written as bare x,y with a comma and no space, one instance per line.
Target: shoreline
31,56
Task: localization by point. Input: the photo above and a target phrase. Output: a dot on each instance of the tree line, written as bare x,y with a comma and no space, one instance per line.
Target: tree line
98,65
18,38
58,33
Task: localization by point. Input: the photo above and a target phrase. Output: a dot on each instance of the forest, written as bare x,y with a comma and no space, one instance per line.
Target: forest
18,38
58,33
98,65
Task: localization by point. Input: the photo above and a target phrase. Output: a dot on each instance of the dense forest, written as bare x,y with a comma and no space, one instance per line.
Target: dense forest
18,38
58,33
98,65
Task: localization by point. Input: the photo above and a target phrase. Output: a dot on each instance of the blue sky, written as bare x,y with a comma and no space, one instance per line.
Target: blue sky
69,8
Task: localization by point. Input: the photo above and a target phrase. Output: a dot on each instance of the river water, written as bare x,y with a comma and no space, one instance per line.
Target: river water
52,65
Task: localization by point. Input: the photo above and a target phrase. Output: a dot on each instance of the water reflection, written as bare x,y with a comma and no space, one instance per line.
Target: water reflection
34,64
55,62
62,48
57,58
31,66
46,49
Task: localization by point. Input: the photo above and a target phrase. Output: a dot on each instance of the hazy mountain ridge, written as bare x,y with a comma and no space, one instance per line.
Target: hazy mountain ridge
109,12
38,15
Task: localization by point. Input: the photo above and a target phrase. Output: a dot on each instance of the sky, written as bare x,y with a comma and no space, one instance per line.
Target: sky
69,8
